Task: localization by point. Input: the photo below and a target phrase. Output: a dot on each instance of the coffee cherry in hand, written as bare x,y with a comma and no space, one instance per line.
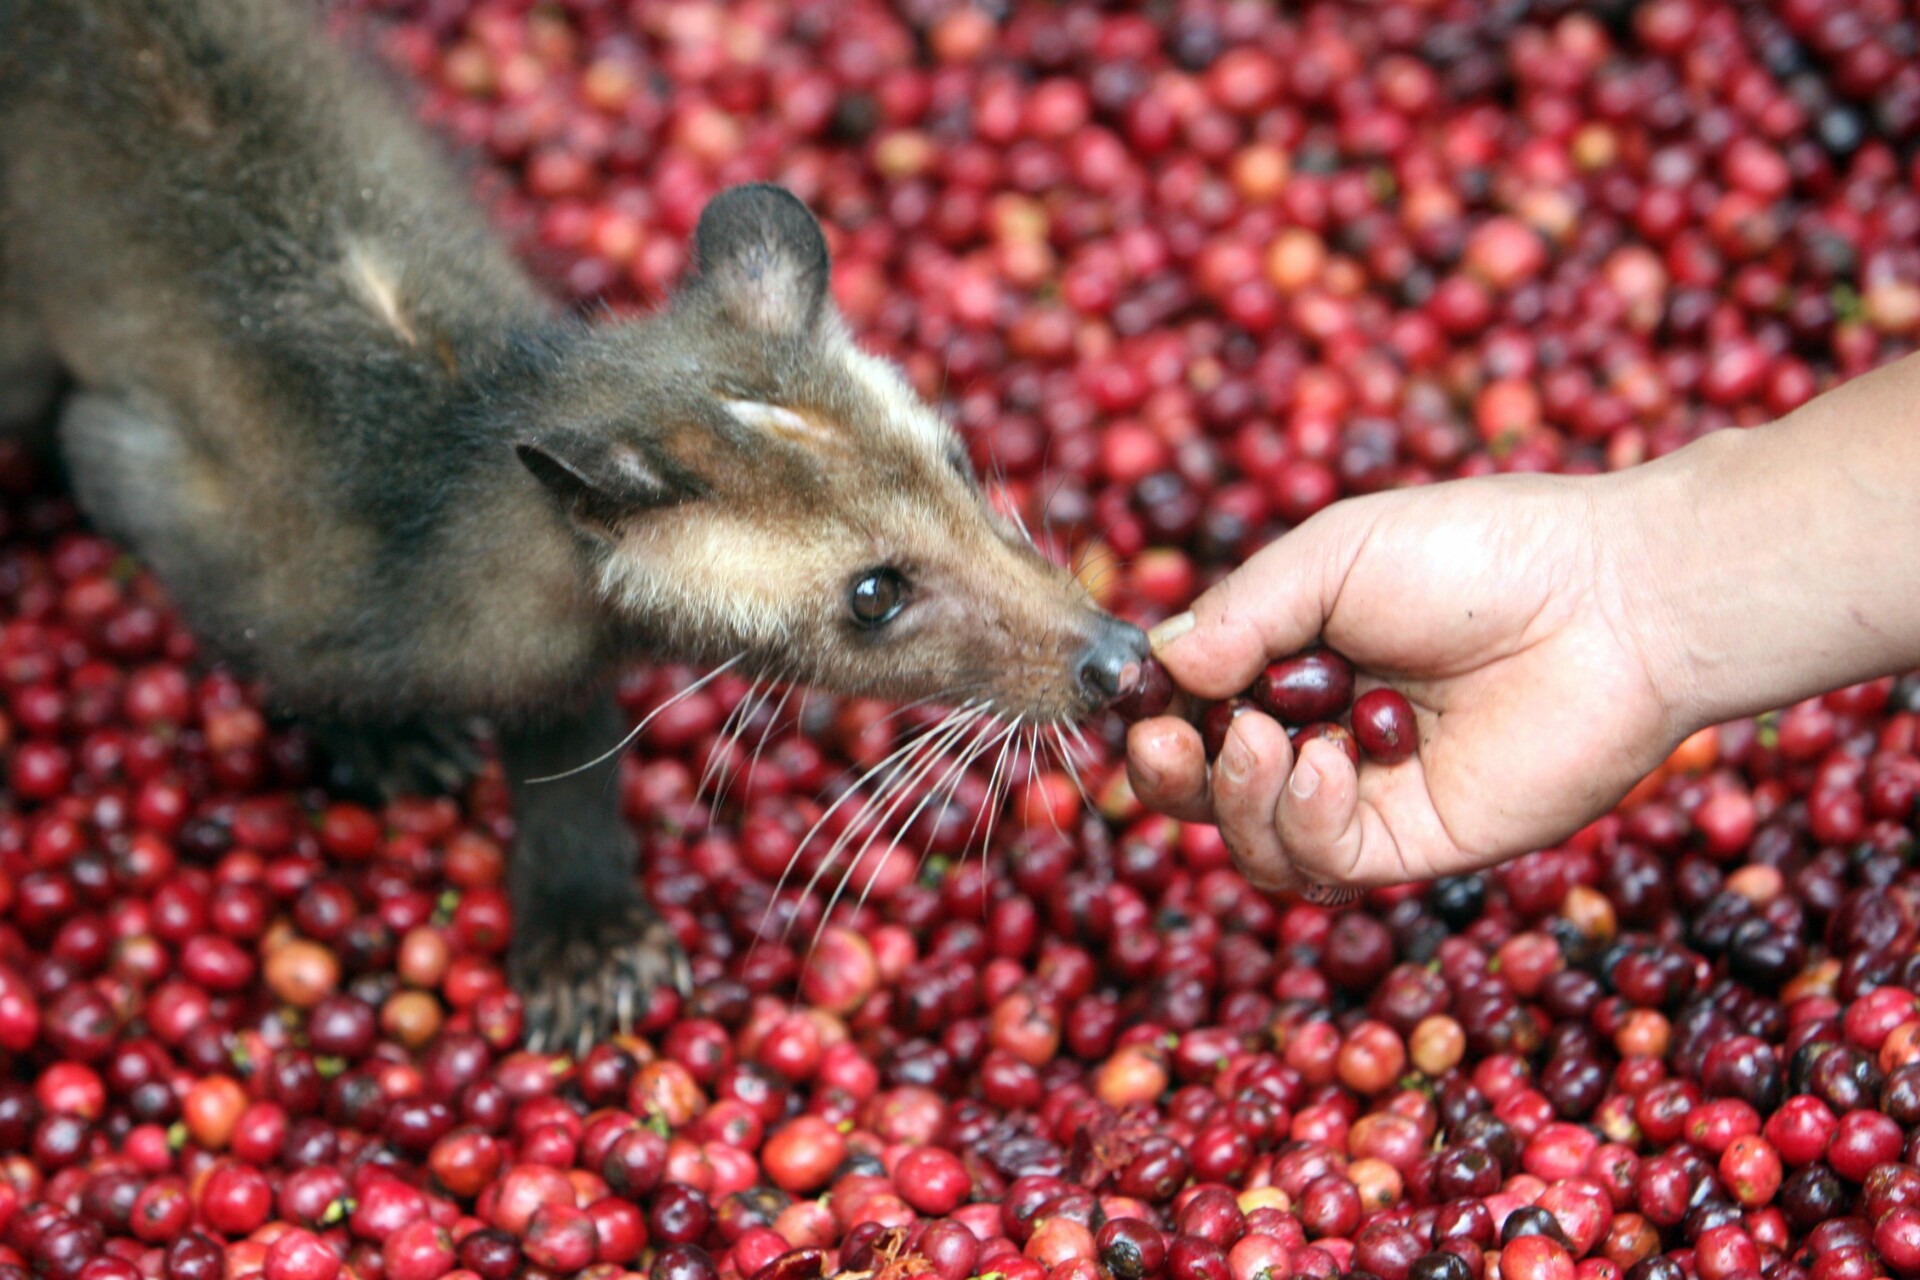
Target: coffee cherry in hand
1331,731
1312,692
1218,719
1305,688
1150,693
1383,724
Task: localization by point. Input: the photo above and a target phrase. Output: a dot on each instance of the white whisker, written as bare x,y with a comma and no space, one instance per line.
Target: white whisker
897,791
945,785
640,728
946,732
909,708
773,722
993,780
892,759
997,790
753,707
946,780
1067,765
729,730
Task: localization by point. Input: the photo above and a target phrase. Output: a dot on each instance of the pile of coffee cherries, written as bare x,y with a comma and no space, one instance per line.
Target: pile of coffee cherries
1182,275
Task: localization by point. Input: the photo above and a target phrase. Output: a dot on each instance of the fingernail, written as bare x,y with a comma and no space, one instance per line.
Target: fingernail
1170,630
1236,761
1304,782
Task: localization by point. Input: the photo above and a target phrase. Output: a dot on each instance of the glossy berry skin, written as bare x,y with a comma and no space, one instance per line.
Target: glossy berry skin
933,1181
1384,726
300,1255
1440,1266
1305,688
1801,1129
1150,694
1217,720
1328,731
1896,1238
1751,1170
1861,1140
1131,1249
1535,1257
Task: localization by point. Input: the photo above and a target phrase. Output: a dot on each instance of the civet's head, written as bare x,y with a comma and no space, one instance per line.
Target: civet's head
751,483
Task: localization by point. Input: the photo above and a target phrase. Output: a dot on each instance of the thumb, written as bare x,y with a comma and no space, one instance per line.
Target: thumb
1274,604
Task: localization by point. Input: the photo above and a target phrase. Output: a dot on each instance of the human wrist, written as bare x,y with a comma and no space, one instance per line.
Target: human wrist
1654,579
1755,565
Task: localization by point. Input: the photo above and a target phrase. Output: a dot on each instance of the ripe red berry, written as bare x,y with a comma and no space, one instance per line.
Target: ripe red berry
1150,694
1860,1141
933,1181
1216,722
1896,1238
1305,688
236,1199
300,1255
1339,735
1384,726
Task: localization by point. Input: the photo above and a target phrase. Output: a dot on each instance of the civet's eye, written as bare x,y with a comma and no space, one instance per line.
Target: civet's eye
877,597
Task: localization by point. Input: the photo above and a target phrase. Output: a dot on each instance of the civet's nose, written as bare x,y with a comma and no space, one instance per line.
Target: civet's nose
1112,657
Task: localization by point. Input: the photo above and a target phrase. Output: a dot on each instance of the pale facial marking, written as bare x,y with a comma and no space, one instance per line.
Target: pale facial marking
376,286
709,576
778,420
716,583
902,407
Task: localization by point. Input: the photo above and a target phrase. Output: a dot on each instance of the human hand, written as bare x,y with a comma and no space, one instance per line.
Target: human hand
1503,608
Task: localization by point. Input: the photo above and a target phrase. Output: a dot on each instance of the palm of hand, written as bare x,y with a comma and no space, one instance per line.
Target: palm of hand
1497,617
1490,605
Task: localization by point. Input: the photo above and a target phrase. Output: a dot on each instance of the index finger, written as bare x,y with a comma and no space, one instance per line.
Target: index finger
1167,766
1276,603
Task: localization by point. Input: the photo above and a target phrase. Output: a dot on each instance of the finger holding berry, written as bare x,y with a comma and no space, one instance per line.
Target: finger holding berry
1458,614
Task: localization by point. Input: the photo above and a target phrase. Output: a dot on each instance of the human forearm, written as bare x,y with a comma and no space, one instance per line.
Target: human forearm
1764,566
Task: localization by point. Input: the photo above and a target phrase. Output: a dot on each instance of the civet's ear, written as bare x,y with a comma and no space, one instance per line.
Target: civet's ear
601,482
762,256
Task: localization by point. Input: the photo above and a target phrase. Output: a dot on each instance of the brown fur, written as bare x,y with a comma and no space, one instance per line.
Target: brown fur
374,466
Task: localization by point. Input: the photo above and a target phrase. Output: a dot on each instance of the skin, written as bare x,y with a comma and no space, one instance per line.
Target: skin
1557,636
